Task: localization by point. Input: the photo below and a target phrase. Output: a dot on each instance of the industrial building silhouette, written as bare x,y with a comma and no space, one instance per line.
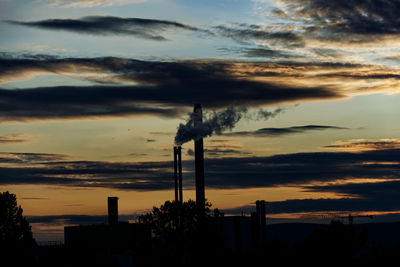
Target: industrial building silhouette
241,233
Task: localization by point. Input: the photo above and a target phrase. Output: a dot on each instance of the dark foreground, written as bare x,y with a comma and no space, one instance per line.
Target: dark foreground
311,244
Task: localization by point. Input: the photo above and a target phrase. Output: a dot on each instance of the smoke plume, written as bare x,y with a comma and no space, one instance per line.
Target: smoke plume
217,122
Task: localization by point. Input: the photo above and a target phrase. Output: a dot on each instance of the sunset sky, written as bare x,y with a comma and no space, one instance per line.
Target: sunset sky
92,93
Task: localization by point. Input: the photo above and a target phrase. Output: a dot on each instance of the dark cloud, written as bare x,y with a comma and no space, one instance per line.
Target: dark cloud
72,219
261,52
89,3
220,173
125,70
357,197
52,169
220,152
266,53
327,53
100,25
151,29
13,157
12,139
77,102
323,205
380,196
174,85
357,17
361,76
33,198
366,144
383,190
68,219
90,174
275,132
162,133
138,154
320,205
395,58
244,32
301,168
224,152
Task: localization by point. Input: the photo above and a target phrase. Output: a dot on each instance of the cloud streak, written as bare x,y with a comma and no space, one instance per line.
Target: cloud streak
91,3
380,193
220,152
127,87
365,145
161,88
13,139
24,158
356,197
149,29
75,219
276,132
359,17
87,174
356,22
76,103
221,173
323,205
243,32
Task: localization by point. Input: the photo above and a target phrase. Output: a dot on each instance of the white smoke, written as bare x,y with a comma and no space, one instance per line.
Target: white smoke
217,122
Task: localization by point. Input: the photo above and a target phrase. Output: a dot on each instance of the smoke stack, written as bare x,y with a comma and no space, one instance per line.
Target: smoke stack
179,150
112,210
199,158
176,172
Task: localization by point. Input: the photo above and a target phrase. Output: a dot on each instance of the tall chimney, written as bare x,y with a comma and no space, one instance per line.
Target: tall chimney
112,210
199,158
176,173
179,150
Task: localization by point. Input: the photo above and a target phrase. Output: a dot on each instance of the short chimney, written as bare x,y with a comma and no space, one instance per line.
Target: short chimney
112,210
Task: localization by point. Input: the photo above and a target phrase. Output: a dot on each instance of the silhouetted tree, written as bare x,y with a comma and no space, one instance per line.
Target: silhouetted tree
183,231
16,241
